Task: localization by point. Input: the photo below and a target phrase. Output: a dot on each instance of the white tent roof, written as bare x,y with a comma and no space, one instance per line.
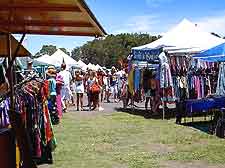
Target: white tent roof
92,66
98,67
46,59
185,35
59,56
43,58
81,64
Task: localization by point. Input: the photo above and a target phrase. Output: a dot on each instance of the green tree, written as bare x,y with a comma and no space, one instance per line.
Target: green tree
76,53
46,49
65,51
109,50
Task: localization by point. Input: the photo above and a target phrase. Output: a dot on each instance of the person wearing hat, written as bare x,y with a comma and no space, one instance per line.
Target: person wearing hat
51,76
29,70
51,71
66,92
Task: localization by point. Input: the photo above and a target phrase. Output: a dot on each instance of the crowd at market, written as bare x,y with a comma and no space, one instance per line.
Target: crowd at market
98,86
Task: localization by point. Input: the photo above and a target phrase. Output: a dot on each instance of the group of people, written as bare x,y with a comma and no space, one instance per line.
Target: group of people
98,86
103,85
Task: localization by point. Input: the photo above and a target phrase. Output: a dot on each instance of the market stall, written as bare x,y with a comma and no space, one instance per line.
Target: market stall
213,56
140,70
41,17
7,138
179,74
216,100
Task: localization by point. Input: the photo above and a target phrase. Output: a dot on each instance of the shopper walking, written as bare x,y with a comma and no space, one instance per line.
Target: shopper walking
94,91
66,92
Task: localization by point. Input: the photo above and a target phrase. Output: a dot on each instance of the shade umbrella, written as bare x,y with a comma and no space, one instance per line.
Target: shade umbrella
215,54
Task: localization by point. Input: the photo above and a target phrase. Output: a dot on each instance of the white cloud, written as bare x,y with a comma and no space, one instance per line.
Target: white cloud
151,24
214,24
140,24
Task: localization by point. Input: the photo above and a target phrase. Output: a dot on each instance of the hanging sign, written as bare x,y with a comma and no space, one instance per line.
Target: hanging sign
151,56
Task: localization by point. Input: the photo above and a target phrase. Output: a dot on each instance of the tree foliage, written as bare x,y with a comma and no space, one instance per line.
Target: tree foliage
46,49
49,49
65,51
109,50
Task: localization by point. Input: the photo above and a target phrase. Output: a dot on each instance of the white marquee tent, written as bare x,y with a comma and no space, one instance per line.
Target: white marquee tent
185,37
44,59
98,67
82,65
92,67
57,59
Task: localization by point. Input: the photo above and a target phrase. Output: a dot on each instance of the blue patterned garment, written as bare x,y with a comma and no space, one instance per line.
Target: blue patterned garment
220,90
137,79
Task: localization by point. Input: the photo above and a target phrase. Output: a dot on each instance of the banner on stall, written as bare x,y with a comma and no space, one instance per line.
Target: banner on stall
151,56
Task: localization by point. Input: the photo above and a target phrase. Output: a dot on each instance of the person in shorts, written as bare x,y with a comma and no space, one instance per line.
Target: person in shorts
79,89
65,92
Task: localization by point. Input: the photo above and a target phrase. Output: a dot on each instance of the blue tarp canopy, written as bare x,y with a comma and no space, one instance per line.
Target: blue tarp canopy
215,54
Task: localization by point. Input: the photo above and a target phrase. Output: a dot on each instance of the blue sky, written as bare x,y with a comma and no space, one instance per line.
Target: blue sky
152,16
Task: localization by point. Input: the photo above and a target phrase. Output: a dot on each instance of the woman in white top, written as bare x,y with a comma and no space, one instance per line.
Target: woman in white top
79,89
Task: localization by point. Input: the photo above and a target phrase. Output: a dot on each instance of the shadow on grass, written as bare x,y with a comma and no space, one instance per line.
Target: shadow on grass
147,114
204,126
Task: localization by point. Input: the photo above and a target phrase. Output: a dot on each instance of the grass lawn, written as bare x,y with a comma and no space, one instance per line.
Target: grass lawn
120,140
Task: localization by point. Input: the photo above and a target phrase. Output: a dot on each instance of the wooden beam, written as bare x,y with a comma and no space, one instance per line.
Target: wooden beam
63,33
23,23
39,7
